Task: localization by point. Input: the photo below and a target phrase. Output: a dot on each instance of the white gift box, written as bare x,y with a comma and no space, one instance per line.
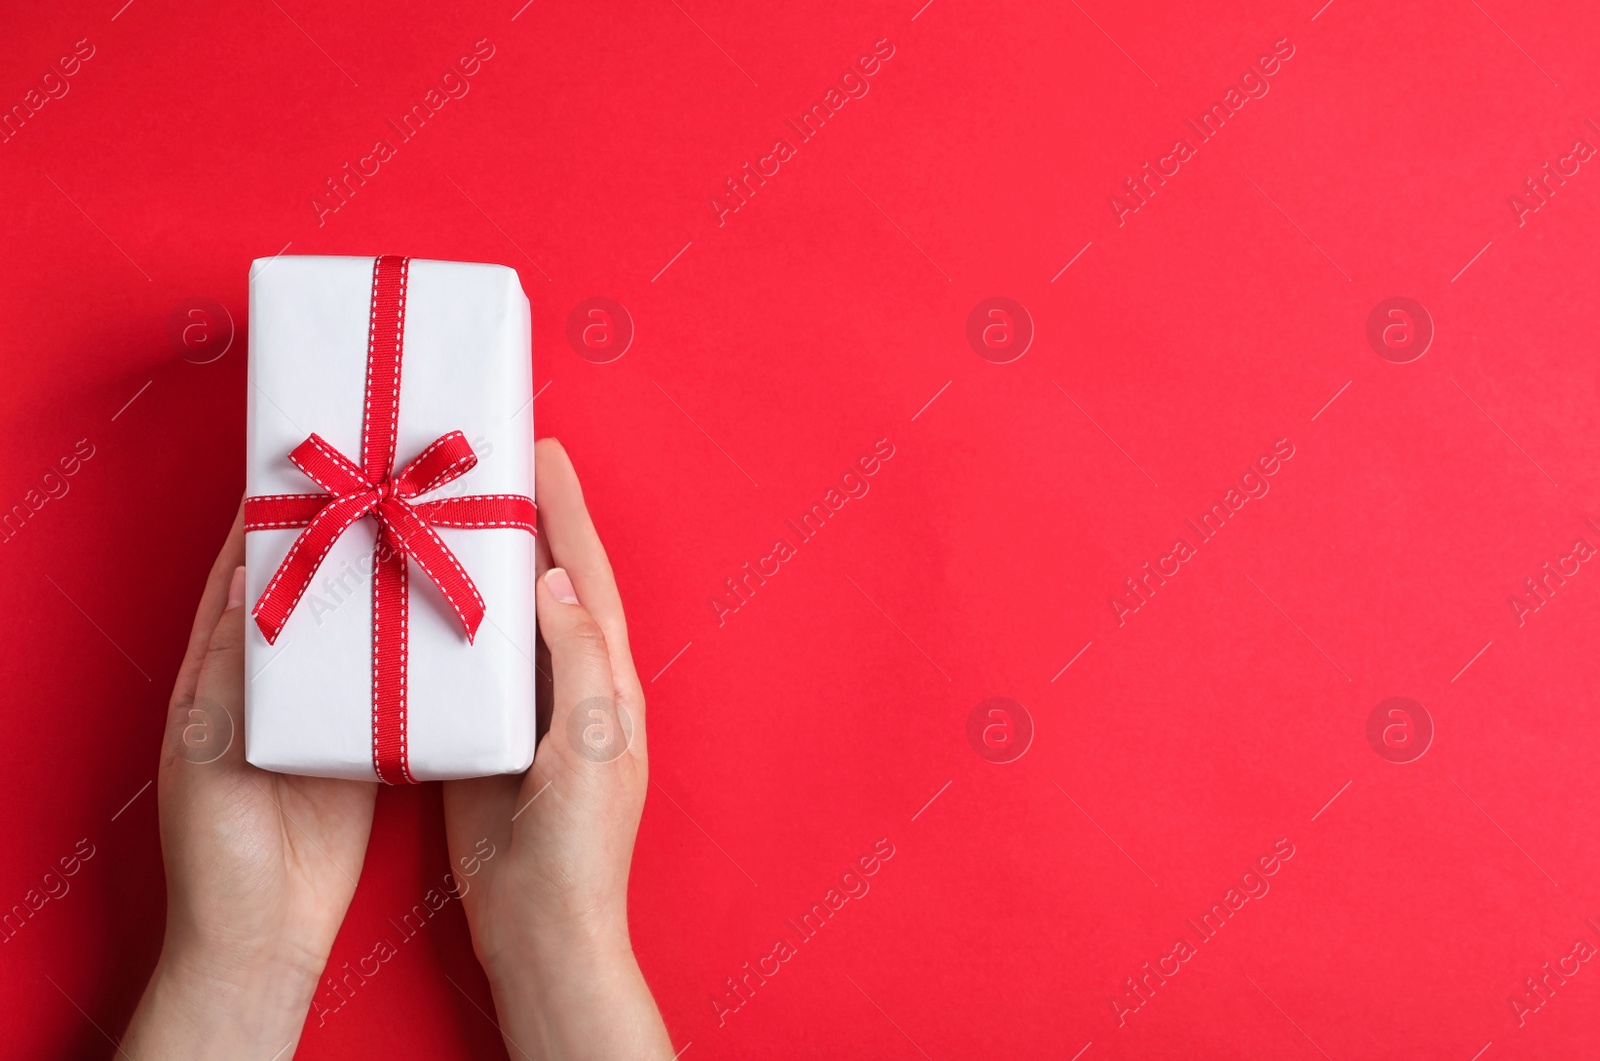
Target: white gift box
467,366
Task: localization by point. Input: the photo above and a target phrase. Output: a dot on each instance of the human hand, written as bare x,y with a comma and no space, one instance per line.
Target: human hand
260,866
549,910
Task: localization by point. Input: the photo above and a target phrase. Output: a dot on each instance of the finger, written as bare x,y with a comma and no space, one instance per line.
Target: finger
574,545
209,727
542,687
212,602
581,666
541,556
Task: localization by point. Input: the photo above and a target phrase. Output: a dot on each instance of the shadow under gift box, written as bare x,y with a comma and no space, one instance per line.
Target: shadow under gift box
467,366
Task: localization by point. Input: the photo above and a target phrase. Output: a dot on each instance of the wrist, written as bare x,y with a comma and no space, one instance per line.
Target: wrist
274,975
211,1002
576,993
555,952
249,964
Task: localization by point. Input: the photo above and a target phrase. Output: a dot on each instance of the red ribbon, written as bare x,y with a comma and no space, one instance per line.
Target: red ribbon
405,527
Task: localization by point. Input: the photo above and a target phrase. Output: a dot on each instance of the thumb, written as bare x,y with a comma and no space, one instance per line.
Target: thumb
585,718
211,726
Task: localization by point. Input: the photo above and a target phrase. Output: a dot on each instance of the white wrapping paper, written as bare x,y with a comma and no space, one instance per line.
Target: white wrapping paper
467,367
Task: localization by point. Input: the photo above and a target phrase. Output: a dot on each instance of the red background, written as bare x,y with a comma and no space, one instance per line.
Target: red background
770,354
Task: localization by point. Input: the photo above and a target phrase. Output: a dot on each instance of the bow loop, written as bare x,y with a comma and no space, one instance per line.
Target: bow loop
447,458
327,467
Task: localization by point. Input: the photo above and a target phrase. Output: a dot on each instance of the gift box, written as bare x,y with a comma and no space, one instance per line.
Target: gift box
389,546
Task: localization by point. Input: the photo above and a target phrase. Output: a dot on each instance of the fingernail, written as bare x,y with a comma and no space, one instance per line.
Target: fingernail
236,588
560,585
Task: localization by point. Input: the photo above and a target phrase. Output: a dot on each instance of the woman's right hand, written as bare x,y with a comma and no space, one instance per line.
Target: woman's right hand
543,857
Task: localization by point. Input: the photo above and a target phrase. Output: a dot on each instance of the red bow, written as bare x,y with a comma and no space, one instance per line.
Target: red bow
405,528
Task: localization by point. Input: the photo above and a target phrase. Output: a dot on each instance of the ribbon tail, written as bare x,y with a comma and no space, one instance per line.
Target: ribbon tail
422,543
289,583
